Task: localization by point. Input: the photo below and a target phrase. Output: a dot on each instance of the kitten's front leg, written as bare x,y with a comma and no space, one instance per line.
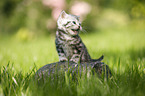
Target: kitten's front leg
62,57
75,58
60,51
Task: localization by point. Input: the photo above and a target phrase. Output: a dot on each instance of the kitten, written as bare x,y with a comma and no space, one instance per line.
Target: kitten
68,43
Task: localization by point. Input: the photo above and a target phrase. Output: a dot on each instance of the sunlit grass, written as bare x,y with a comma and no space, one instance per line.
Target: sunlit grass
123,48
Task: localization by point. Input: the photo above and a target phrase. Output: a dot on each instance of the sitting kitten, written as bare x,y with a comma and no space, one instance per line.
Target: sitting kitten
68,43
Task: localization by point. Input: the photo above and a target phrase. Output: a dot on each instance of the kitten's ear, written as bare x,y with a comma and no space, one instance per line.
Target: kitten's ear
78,17
63,14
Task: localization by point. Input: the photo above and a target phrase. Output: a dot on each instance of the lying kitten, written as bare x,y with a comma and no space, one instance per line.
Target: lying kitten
59,68
68,43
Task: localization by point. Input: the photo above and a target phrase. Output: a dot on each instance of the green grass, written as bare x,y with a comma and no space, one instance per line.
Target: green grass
123,48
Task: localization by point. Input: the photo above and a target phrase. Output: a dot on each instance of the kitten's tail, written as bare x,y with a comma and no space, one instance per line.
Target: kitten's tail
99,59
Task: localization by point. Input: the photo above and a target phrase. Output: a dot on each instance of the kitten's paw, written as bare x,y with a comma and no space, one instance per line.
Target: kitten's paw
63,60
74,60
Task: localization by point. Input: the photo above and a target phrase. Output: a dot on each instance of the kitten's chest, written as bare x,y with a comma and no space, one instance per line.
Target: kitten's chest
68,50
70,46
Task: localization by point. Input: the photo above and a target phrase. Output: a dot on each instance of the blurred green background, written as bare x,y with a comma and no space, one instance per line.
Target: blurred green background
33,16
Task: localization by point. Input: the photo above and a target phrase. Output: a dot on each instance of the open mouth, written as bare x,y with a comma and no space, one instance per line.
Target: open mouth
75,30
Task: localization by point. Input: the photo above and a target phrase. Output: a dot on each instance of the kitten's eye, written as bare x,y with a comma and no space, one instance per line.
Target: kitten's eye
74,22
68,21
80,24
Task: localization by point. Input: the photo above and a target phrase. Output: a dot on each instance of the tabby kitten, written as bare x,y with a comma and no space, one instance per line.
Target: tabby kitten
68,43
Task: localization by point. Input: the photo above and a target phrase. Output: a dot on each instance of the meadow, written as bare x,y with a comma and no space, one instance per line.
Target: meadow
124,52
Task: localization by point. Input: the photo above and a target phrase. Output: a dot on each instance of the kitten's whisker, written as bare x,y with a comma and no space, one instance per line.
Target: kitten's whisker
84,31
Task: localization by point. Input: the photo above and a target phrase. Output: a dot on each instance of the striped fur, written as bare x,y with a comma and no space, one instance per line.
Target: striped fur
68,43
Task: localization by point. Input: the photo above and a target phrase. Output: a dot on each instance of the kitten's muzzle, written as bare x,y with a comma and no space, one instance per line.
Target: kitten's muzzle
76,29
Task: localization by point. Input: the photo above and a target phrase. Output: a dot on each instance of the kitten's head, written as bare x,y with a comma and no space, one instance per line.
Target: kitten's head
69,23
